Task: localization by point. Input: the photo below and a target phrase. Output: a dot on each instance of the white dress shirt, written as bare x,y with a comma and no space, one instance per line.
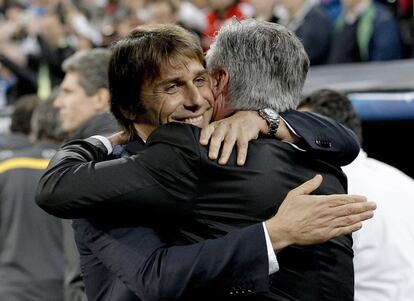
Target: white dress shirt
384,247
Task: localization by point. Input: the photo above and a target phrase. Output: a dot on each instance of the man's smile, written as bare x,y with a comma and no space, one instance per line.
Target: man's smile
196,120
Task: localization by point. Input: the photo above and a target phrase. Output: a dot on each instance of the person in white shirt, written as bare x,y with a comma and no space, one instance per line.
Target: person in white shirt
383,260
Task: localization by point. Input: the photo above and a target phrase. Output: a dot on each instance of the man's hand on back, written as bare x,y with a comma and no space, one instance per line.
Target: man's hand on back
118,138
238,129
305,219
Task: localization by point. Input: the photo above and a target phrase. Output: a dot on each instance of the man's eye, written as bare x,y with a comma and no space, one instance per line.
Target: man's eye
171,88
200,81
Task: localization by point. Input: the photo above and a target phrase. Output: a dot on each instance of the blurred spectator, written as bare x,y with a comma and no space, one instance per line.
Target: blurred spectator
179,12
192,17
83,100
31,250
264,10
20,127
333,8
365,31
40,44
383,261
312,25
160,11
222,11
15,79
201,4
83,104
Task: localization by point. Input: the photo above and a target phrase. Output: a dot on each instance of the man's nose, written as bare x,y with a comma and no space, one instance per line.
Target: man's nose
56,103
194,101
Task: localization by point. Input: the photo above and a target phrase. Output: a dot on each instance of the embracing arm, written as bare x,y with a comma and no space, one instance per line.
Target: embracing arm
150,268
321,136
234,263
157,184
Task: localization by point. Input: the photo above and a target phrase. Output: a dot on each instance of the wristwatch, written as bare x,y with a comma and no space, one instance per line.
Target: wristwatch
272,118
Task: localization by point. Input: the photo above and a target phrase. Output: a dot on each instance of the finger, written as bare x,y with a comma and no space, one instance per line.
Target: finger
206,133
242,147
215,144
345,230
348,220
354,208
335,200
307,187
227,148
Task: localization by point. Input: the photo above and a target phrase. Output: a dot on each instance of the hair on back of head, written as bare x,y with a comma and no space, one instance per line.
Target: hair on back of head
22,113
91,67
335,105
266,62
45,121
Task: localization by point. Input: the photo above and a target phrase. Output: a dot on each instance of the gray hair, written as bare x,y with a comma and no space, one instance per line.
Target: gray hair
92,66
266,62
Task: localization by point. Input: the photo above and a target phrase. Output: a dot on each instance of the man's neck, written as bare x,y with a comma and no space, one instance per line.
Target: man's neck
221,110
144,130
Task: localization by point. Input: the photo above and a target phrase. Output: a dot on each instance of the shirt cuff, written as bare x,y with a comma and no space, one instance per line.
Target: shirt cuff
273,264
105,142
294,133
290,128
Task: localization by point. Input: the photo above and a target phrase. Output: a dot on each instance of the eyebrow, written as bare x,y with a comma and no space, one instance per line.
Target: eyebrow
177,79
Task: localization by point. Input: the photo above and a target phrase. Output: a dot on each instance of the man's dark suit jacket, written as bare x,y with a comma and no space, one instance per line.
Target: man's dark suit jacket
205,200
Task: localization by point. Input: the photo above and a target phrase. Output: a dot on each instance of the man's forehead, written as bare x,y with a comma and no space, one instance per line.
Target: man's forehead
178,68
70,79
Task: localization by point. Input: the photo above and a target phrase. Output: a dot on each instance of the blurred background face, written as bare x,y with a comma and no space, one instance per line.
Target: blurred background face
351,4
292,5
263,6
74,105
220,4
200,3
52,29
161,12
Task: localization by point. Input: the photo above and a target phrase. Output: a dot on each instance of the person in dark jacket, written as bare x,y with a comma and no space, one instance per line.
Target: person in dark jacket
31,246
20,126
366,31
83,105
169,175
312,25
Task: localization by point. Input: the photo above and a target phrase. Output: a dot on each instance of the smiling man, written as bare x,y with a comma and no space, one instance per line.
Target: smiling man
156,75
163,100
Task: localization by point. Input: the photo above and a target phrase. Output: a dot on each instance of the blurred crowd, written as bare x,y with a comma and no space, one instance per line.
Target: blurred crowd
40,51
37,35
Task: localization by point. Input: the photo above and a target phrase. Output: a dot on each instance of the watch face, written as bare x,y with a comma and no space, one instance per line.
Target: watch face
271,113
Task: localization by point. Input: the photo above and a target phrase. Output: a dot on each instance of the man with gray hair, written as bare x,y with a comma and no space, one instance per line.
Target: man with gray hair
83,105
263,61
83,99
173,185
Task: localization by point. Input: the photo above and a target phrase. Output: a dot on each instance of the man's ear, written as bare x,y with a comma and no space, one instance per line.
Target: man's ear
220,78
102,100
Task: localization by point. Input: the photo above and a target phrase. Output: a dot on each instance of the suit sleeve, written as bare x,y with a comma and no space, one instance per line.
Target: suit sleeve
156,184
323,137
150,268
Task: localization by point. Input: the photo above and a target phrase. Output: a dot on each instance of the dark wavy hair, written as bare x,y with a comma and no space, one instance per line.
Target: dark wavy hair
335,105
22,113
138,58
